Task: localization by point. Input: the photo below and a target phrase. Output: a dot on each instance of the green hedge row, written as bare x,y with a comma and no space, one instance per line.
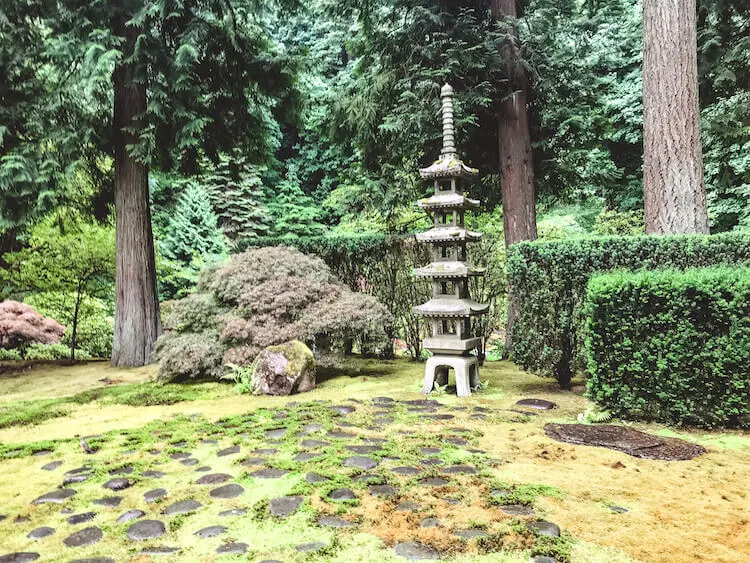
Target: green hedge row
549,280
671,346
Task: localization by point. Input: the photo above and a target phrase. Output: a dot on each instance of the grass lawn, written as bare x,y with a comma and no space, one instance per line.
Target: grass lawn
676,511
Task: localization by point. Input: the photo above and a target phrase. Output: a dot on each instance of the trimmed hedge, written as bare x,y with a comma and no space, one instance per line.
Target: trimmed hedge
549,279
671,346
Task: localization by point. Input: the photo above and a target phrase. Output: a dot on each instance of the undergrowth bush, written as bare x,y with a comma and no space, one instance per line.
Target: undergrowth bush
549,280
51,352
671,346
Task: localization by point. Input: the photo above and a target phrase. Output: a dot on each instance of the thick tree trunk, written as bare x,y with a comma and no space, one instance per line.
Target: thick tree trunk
137,320
674,194
516,164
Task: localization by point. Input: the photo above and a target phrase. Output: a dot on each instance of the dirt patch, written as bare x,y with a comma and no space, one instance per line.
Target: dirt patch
626,440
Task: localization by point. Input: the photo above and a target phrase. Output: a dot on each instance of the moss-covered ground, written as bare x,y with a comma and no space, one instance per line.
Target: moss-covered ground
694,510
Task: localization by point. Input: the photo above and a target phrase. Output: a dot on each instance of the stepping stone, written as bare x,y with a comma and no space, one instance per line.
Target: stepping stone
363,449
383,490
154,495
179,455
94,560
405,470
316,478
442,416
543,559
65,511
370,479
130,515
544,528
414,551
456,469
360,462
342,409
305,456
109,502
117,484
408,506
232,548
182,507
269,473
124,470
189,461
457,441
81,518
208,441
71,479
310,547
334,522
539,404
232,450
275,434
203,468
433,482
233,512
618,509
432,461
231,490
51,466
340,434
252,461
342,494
284,506
452,500
265,451
378,421
470,534
159,550
81,538
375,440
39,533
517,509
313,444
312,427
153,474
77,470
19,557
21,519
210,531
57,497
382,400
146,530
431,451
430,523
478,416
41,453
214,479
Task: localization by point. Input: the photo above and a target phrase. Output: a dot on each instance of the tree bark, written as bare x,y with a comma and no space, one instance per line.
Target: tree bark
137,320
516,164
674,193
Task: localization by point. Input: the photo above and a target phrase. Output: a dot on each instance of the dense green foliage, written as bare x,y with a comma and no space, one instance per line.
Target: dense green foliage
550,280
671,346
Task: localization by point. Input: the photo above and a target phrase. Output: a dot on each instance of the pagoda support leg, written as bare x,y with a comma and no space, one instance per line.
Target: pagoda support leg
430,371
466,369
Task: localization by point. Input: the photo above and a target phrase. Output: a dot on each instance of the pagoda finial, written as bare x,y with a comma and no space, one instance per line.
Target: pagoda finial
449,146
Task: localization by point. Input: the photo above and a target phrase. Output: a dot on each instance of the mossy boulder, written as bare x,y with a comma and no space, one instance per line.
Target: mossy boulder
284,369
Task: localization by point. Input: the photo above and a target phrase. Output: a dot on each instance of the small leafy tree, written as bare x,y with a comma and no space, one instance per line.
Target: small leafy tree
22,326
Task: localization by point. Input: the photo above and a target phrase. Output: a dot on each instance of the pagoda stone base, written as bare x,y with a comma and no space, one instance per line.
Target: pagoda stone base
466,369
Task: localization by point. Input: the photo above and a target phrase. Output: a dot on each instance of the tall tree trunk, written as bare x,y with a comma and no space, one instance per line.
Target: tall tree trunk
137,320
516,164
674,194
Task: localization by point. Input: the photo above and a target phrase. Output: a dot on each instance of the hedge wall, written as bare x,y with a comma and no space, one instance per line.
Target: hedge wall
549,281
671,346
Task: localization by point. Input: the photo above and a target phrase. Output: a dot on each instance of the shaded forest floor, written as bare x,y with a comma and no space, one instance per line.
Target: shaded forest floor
487,458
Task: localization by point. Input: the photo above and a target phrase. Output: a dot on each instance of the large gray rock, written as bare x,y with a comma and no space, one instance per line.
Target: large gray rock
284,369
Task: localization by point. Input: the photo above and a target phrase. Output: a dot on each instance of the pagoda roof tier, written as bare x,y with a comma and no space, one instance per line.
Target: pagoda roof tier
448,166
448,200
451,307
449,234
448,269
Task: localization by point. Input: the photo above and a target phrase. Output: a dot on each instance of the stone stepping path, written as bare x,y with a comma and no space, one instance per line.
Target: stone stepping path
81,518
284,506
214,479
182,507
154,495
342,494
310,547
146,530
130,515
360,462
539,404
109,502
57,497
414,551
40,533
82,538
20,557
231,490
211,531
334,522
52,466
269,473
544,528
232,548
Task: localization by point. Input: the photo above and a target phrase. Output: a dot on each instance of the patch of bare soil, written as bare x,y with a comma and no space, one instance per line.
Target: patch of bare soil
626,440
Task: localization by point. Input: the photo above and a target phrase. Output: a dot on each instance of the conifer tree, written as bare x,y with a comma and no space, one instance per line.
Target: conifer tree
295,215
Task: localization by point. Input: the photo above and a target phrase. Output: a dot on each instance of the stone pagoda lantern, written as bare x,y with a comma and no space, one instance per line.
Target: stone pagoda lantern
449,312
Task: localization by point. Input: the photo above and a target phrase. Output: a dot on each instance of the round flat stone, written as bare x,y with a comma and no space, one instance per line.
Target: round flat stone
432,461
539,404
233,512
189,461
231,490
19,557
21,519
305,456
81,518
58,497
275,433
382,400
316,478
153,474
618,509
214,479
314,443
517,509
414,551
209,441
500,493
109,502
457,441
203,468
433,481
342,409
71,479
478,416
210,531
253,461
51,466
441,416
360,462
310,547
405,470
77,470
340,434
146,530
232,450
154,494
232,548
81,538
124,470
312,427
379,421
544,528
39,533
383,490
265,451
334,522
130,515
269,473
431,451
117,484
370,479
159,550
342,494
363,449
455,469
408,506
284,506
182,507
180,455
430,523
40,453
